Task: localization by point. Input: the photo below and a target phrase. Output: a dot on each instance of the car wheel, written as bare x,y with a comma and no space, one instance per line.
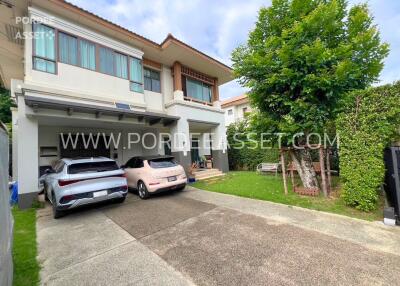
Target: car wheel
56,213
142,191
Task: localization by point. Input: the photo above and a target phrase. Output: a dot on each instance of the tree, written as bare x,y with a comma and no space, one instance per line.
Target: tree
5,105
300,60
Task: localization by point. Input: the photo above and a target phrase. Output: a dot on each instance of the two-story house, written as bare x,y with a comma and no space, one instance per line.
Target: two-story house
235,108
73,72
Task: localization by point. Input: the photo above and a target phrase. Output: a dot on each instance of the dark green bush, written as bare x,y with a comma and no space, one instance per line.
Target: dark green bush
245,156
368,124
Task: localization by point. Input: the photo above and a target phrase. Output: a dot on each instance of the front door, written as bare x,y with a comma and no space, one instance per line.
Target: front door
167,146
195,150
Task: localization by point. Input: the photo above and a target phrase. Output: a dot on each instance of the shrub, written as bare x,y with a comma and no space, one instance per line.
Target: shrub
368,123
245,156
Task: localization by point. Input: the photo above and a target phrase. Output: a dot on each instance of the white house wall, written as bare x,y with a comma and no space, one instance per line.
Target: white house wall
237,113
204,114
49,136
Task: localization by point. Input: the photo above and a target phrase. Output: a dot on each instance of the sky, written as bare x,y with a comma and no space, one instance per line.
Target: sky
216,27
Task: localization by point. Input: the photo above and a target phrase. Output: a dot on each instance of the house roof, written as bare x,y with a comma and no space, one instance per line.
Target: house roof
169,50
236,100
166,52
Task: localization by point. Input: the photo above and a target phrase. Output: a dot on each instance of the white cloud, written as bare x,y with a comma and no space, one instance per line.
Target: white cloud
217,27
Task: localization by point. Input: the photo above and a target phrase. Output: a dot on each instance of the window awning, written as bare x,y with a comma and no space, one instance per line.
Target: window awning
70,107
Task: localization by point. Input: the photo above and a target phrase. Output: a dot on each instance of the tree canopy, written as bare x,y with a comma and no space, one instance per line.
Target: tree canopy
5,105
303,56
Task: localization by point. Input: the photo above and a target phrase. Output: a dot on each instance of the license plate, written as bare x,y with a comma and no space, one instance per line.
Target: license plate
171,179
100,194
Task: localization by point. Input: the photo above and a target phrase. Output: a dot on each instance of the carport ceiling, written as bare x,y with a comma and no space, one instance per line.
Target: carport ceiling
201,126
151,118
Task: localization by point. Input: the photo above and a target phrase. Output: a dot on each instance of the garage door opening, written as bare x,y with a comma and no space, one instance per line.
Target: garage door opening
83,146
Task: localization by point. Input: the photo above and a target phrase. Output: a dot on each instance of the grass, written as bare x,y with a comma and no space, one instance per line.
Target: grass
26,267
270,188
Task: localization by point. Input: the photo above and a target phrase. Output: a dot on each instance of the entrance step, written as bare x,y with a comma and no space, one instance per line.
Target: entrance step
207,173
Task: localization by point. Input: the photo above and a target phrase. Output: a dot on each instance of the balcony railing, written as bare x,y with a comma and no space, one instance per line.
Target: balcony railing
197,101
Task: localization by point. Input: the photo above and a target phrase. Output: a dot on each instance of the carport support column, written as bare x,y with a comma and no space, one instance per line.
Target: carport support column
14,112
180,143
219,148
28,157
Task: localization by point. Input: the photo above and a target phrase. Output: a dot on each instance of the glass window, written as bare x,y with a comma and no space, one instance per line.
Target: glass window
136,75
67,49
58,166
44,56
198,90
87,54
206,93
134,163
106,61
230,112
90,167
130,163
162,163
137,87
152,80
121,66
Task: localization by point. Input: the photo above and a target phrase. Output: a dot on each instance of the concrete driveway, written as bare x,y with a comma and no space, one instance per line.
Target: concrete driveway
202,238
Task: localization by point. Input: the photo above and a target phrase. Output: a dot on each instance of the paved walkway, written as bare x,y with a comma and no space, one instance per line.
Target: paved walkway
373,235
204,238
88,248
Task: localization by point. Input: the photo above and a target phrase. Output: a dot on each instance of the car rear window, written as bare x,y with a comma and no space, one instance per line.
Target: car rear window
92,167
162,163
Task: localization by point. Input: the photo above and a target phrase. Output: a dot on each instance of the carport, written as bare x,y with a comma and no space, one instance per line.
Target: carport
46,120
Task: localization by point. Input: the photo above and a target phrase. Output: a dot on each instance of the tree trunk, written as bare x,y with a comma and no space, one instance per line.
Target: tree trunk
302,161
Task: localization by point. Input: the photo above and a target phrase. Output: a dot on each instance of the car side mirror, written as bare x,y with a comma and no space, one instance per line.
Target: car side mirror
49,171
123,166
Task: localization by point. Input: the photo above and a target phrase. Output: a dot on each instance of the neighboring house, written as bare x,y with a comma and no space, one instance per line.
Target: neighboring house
82,74
235,108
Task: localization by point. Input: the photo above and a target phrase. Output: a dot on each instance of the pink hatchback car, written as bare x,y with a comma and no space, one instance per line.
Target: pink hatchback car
154,174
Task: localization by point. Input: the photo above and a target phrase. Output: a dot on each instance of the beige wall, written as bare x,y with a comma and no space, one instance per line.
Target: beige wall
91,84
237,113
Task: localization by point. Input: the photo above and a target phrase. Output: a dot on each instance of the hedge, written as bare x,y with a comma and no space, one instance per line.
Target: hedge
247,158
368,124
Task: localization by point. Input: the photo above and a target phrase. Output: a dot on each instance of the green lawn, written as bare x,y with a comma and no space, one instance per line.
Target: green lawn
270,188
26,267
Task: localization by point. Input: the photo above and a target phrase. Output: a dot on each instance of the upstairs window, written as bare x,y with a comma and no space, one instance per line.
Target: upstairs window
67,49
136,75
121,66
152,80
106,61
198,90
113,63
230,112
87,54
44,56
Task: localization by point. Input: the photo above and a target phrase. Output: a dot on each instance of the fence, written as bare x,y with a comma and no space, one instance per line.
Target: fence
6,219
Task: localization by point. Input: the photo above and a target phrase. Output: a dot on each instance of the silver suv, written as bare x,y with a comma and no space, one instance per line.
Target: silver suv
75,182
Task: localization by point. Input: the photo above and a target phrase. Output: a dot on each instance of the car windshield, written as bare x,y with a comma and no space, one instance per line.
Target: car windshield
162,163
92,167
